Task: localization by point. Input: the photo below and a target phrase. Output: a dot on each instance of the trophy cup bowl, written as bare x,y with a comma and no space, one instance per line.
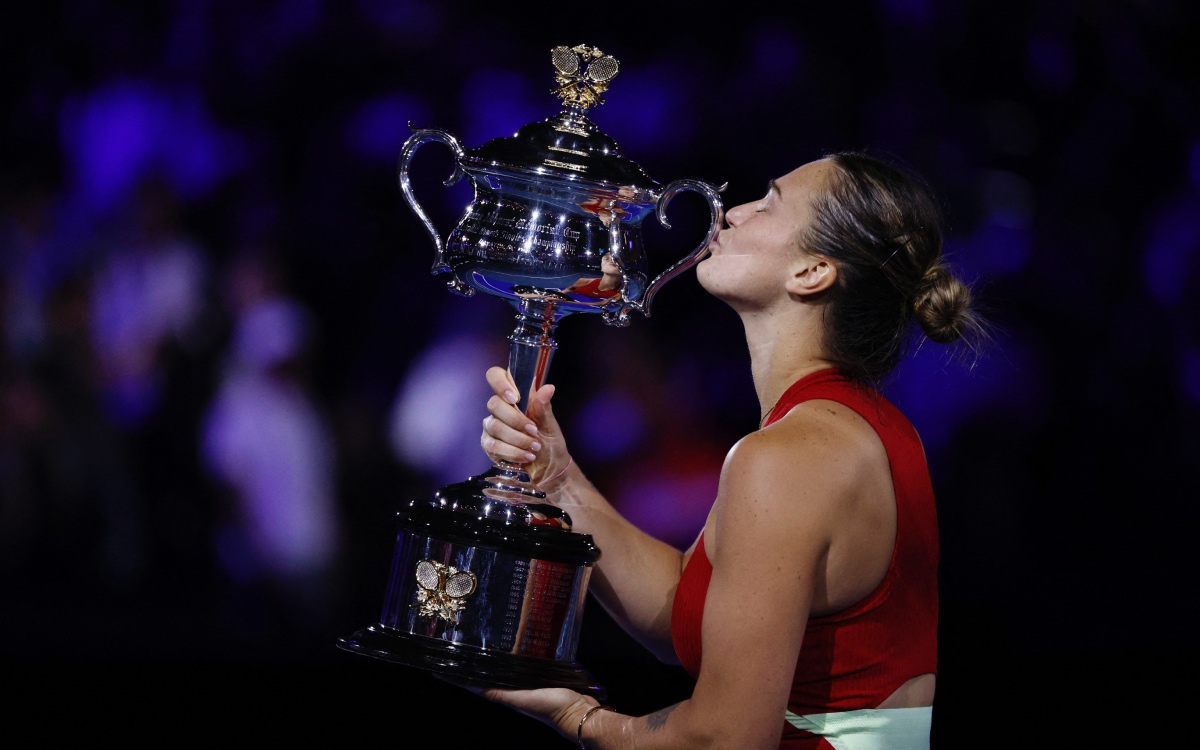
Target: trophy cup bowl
488,581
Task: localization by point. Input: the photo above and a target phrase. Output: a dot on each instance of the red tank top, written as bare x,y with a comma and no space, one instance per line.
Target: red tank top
855,658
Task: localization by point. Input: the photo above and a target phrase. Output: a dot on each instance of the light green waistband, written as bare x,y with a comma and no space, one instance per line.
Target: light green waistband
870,728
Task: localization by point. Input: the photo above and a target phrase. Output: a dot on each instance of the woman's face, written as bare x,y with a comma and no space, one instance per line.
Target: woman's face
752,257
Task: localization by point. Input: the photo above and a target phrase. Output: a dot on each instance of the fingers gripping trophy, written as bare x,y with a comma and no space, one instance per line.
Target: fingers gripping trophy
488,580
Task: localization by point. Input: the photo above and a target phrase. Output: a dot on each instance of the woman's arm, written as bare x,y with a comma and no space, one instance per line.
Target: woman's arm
781,494
636,576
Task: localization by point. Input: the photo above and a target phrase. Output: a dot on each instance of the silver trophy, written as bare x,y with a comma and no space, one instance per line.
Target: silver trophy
488,581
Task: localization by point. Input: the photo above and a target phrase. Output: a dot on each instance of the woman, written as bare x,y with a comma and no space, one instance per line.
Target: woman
807,607
602,289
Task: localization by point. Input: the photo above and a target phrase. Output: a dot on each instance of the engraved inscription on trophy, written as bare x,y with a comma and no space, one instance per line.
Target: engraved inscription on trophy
512,610
547,597
518,235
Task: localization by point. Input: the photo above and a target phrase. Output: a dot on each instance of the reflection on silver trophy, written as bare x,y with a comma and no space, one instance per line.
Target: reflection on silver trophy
488,581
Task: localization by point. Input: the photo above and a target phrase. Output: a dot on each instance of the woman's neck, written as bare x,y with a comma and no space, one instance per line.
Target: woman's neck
783,349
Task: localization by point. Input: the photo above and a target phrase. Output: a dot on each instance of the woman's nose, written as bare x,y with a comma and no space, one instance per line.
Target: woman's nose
735,215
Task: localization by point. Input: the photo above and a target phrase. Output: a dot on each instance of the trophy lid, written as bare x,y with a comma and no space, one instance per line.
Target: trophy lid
462,513
568,146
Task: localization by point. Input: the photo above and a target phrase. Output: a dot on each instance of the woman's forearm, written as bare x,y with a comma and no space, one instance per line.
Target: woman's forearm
683,725
636,576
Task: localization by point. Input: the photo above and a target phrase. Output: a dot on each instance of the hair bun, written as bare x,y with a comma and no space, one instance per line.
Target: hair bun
943,305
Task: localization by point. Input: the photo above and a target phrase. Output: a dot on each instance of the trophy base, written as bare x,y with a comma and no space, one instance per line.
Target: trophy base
469,664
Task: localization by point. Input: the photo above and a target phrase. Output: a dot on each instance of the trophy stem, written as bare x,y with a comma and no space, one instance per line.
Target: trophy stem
529,357
532,347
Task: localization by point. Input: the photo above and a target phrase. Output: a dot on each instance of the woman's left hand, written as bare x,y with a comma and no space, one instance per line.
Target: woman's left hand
559,708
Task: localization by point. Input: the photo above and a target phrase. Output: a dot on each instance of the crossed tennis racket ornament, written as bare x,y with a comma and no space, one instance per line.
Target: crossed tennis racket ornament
443,590
582,74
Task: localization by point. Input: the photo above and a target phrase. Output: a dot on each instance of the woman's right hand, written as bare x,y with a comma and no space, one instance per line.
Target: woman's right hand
534,440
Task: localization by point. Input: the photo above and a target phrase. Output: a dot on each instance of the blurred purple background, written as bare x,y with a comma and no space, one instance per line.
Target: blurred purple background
223,361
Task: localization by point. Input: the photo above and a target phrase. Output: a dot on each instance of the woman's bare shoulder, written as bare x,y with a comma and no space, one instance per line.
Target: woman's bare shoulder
832,431
809,464
819,437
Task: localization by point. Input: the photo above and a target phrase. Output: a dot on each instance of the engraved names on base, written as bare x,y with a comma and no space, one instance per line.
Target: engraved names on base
512,614
537,607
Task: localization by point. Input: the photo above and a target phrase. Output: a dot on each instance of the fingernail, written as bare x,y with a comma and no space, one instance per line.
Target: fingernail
531,428
530,457
535,446
510,397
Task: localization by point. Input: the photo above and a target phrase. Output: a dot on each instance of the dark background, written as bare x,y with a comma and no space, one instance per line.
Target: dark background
166,166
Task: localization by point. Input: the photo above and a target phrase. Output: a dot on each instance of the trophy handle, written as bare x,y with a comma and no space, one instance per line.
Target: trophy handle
415,141
717,214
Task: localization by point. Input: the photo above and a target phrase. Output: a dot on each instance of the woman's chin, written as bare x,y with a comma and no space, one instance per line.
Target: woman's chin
706,274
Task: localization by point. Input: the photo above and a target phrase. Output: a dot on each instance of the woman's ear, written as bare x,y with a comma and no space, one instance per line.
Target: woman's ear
811,275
